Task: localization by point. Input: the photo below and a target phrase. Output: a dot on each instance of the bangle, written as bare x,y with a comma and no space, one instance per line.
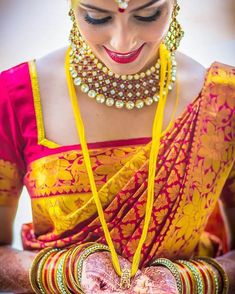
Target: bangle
196,274
33,270
54,276
88,251
186,277
70,270
60,277
40,267
45,273
211,275
203,269
223,274
51,273
172,268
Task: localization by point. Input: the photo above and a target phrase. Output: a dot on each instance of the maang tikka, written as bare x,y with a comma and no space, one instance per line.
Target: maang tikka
122,5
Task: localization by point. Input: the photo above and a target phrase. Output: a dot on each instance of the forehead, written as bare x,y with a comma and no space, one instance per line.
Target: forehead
112,4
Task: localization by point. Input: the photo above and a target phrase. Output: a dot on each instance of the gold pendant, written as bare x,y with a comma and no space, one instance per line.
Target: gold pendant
125,281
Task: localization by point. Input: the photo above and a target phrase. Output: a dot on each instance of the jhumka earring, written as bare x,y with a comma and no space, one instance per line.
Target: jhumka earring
175,32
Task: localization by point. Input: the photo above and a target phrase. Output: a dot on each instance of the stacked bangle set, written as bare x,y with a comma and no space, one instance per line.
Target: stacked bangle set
60,270
200,276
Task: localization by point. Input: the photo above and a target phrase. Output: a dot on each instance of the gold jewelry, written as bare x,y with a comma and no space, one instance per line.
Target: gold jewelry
122,4
33,272
125,281
156,131
196,274
175,32
223,274
60,277
106,87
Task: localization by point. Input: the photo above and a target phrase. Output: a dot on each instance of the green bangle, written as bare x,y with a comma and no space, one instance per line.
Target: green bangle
212,271
88,251
172,268
221,271
59,277
196,274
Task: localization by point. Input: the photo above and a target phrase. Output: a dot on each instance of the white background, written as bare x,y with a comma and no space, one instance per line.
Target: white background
30,29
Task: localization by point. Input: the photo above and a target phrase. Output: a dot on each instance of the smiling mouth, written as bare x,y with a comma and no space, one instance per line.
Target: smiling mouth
124,57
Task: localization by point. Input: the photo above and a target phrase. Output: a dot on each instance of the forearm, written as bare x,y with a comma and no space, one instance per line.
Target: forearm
14,270
227,261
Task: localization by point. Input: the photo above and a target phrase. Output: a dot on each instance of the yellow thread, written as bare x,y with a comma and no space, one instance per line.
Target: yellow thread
156,134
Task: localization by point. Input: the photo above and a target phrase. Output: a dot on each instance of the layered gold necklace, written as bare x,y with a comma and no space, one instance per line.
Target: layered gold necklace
106,87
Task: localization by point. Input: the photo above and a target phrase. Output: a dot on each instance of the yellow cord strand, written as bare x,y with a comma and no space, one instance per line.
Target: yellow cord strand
156,135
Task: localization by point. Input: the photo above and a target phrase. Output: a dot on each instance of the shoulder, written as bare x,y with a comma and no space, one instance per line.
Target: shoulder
52,64
218,79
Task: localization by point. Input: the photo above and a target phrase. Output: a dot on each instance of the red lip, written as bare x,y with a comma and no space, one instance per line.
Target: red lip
124,57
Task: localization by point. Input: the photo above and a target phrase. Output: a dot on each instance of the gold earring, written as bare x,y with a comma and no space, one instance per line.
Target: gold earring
175,32
76,38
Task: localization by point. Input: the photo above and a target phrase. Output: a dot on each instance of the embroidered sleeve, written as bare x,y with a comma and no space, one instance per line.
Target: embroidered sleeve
11,159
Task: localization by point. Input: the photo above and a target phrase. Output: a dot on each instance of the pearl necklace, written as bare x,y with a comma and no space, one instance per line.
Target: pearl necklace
106,87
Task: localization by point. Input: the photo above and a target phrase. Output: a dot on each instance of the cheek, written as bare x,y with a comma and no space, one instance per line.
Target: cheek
92,36
157,31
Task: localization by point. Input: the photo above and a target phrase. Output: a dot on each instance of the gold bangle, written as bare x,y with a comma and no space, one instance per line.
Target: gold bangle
33,270
39,270
196,274
172,268
70,261
223,274
51,273
212,273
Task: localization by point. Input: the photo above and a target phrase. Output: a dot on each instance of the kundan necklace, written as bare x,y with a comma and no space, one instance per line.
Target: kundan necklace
106,87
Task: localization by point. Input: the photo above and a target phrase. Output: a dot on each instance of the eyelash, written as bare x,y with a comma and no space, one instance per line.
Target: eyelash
101,21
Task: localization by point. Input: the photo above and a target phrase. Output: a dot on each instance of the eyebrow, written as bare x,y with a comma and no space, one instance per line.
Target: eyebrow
108,11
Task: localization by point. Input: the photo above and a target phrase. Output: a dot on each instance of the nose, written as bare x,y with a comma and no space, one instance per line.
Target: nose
123,39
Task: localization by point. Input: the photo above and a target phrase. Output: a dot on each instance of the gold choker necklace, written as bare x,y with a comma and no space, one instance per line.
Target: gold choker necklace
106,87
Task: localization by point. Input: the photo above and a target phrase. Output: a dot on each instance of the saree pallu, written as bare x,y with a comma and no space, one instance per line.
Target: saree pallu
196,166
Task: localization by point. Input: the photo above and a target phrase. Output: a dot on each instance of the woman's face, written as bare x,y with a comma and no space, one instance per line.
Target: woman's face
128,42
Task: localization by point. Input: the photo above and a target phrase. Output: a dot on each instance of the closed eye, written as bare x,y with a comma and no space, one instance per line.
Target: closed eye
100,21
153,17
97,21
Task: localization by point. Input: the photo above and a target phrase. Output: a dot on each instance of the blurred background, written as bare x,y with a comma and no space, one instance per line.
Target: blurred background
30,29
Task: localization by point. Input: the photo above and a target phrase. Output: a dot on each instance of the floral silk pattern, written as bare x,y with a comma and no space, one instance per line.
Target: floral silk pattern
195,165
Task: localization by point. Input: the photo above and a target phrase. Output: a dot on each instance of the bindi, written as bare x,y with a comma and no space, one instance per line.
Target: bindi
122,5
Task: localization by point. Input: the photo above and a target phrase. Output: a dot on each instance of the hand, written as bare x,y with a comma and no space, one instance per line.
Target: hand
162,279
99,276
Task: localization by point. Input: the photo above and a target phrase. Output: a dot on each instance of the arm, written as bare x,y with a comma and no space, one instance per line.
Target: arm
15,264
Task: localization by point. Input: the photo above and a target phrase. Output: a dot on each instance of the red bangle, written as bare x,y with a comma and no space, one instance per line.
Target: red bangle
51,272
45,269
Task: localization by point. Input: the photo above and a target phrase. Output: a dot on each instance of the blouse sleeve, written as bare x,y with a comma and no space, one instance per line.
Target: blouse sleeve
11,159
